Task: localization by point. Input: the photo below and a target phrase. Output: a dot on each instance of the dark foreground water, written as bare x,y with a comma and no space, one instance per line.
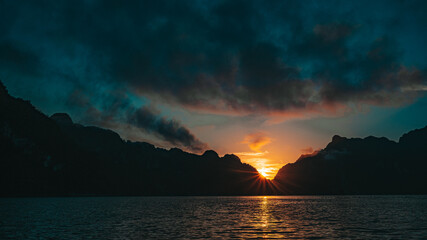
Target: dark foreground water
361,217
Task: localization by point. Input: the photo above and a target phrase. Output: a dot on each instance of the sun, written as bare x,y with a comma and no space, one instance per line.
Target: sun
263,172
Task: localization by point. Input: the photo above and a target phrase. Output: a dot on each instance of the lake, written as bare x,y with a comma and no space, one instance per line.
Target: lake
289,217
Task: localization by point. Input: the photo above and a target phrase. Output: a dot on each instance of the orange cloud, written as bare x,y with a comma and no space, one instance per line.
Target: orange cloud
253,154
256,140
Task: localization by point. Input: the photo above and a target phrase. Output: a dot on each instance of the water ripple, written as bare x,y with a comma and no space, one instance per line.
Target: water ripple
313,217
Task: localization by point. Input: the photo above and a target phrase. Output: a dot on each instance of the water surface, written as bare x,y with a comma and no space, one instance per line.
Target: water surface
361,217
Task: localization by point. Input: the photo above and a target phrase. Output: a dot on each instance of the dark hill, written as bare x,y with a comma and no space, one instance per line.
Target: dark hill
42,156
360,166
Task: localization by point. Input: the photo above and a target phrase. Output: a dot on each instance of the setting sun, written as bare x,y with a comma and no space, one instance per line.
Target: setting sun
263,172
262,162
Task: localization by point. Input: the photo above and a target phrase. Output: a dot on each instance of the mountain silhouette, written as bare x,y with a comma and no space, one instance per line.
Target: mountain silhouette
50,156
53,156
360,166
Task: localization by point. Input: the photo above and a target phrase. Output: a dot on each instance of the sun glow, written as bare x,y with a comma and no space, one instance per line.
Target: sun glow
258,157
265,166
263,172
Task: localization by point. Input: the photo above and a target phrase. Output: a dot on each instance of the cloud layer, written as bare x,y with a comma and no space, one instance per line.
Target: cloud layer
229,57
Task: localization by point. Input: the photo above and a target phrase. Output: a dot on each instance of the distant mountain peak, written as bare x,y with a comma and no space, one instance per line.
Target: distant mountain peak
210,154
232,158
62,118
337,138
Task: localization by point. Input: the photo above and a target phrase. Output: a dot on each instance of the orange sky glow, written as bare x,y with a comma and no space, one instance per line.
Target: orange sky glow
267,147
263,155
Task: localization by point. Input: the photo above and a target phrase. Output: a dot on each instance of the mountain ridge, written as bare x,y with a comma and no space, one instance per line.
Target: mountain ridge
53,156
370,165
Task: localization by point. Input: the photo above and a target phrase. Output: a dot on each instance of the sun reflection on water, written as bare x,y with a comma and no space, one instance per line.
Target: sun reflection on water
270,217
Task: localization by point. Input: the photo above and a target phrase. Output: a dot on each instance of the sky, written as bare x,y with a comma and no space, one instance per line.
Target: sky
265,80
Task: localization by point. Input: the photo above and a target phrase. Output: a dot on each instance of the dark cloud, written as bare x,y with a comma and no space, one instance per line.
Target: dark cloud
170,130
116,108
17,59
228,56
